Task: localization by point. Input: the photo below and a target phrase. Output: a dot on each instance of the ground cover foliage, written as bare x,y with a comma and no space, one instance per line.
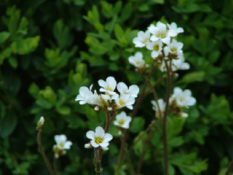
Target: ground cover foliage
49,49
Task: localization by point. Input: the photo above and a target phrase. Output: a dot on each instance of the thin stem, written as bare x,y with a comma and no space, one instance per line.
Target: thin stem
55,166
130,162
147,129
229,168
98,161
144,152
156,83
41,149
139,101
165,150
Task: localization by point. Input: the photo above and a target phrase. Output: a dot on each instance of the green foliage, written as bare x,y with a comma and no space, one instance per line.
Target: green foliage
48,50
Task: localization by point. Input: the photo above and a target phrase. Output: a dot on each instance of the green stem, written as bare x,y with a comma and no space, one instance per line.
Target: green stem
165,150
55,166
41,149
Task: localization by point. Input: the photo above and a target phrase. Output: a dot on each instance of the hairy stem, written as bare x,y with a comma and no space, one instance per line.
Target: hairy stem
41,149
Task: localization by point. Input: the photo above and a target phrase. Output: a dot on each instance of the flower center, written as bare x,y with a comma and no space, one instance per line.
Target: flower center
173,49
145,41
137,62
182,99
122,103
121,122
98,140
156,47
61,145
110,88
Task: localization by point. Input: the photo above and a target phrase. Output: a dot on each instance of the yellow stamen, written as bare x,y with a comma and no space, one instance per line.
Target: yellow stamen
121,122
98,140
61,145
156,47
173,49
110,88
145,41
122,103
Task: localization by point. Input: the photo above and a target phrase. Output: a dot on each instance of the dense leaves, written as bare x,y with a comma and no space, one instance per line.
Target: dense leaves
49,49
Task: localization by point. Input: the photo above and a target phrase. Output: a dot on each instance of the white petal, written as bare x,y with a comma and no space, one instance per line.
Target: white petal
90,134
67,145
107,137
95,145
104,144
99,131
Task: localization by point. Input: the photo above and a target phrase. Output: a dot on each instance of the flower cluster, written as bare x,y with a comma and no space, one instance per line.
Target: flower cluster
109,99
61,145
160,40
178,101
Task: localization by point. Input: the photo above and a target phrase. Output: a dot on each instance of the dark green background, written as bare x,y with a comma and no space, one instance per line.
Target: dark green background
50,48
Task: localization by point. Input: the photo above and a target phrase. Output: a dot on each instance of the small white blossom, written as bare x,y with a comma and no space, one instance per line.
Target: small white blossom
156,48
99,138
159,32
142,39
177,64
108,86
161,105
124,101
85,95
88,145
173,30
183,98
137,60
133,90
174,48
122,120
61,142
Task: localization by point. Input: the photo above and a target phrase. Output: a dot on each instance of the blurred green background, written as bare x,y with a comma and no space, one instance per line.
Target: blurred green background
50,48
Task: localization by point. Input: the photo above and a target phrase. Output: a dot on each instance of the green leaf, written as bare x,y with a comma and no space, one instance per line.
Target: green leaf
25,46
63,110
193,77
8,124
119,33
13,62
126,12
4,36
137,124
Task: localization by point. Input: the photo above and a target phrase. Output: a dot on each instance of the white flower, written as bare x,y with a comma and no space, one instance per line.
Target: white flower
108,86
173,30
122,120
160,107
124,101
137,60
141,39
159,32
174,48
40,123
183,98
85,95
156,48
99,138
61,142
133,90
179,64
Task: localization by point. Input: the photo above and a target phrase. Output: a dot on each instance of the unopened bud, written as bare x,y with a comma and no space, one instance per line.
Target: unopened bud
87,146
40,122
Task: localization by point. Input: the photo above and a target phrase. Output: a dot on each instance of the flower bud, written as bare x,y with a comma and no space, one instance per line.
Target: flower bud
40,122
